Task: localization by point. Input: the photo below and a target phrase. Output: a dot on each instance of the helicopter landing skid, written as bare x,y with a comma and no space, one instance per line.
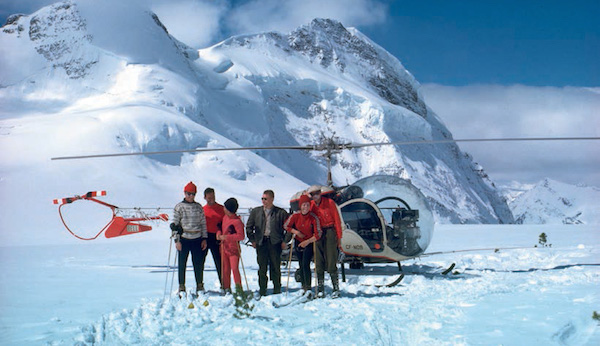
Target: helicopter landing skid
449,269
391,284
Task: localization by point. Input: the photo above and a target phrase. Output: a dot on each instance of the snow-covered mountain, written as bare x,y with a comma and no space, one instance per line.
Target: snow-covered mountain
84,77
553,202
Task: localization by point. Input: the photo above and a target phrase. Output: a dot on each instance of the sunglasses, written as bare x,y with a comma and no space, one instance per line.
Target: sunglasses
264,198
315,193
190,194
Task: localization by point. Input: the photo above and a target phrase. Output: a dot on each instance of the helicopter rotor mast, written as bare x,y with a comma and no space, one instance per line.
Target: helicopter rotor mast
330,146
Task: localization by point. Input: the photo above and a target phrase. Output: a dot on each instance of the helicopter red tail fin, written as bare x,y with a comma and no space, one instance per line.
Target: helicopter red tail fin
120,226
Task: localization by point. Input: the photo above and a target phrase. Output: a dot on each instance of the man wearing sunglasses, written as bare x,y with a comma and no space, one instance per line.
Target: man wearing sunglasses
190,233
267,235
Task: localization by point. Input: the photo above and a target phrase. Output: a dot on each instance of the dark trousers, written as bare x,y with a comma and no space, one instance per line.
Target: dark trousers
214,246
269,255
327,254
195,247
305,256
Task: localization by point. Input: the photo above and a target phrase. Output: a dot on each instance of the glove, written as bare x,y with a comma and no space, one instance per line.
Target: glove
176,228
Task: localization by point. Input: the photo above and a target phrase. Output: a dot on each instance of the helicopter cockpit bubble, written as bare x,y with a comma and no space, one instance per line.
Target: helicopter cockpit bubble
409,220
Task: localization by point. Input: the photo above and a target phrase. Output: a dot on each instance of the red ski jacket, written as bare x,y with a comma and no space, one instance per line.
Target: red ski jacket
308,224
214,216
328,215
233,229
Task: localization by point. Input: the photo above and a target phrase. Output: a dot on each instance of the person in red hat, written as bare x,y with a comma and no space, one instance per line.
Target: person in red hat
305,227
189,233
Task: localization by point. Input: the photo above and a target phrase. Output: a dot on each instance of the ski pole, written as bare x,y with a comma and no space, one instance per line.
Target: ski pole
243,269
315,261
287,286
175,265
168,270
222,264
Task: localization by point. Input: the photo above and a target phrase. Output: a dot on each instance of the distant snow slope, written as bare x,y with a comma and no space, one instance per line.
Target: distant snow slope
554,202
83,77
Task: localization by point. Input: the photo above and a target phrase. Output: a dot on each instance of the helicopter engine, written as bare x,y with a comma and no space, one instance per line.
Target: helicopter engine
405,233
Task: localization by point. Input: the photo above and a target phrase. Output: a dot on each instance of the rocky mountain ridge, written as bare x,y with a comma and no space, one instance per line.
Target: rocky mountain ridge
320,80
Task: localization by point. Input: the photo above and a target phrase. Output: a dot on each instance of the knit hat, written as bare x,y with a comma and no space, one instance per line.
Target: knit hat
231,204
304,199
190,187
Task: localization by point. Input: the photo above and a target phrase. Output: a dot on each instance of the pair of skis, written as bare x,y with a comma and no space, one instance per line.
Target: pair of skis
301,299
192,297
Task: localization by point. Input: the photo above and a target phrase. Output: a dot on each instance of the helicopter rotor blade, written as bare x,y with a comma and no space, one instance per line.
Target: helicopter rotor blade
330,146
444,141
197,150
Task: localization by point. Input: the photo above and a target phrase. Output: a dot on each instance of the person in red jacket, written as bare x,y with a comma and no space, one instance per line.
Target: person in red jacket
231,234
305,227
214,214
327,246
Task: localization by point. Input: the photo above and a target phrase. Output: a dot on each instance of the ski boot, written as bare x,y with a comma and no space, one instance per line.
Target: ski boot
199,288
336,286
321,288
307,292
181,293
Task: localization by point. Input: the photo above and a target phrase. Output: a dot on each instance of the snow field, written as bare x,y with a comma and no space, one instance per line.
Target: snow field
426,310
113,294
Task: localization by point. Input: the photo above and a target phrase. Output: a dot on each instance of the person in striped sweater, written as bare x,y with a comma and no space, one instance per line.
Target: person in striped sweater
190,233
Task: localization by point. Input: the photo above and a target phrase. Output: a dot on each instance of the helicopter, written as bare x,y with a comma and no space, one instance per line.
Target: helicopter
385,219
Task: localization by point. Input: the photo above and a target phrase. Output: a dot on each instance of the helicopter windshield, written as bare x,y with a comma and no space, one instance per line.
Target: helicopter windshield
409,220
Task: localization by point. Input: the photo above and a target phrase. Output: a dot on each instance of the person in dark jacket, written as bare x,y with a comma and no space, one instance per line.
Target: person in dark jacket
265,231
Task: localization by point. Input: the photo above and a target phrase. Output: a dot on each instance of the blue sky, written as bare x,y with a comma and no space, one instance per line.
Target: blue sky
528,68
530,42
541,43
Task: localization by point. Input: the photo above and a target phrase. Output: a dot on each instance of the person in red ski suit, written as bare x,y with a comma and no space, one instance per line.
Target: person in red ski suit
305,227
230,236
